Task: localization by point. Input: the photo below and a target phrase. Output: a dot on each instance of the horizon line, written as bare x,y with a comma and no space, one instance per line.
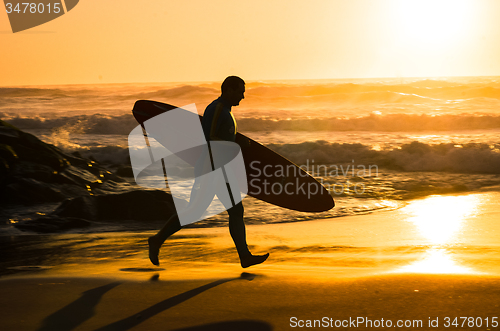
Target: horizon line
250,81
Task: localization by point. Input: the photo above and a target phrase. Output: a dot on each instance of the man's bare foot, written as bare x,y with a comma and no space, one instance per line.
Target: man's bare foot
154,250
253,260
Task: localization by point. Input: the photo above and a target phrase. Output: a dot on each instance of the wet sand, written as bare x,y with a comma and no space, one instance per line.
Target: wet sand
435,259
248,302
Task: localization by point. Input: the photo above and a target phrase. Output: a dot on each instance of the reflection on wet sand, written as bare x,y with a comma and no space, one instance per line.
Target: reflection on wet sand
440,234
441,220
437,261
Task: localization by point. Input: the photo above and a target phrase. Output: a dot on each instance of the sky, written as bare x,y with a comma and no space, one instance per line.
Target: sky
130,41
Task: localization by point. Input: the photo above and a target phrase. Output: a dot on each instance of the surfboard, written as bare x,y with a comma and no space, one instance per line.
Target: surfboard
271,177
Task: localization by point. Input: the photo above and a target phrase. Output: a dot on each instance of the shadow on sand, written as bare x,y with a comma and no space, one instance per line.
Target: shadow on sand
131,321
78,311
82,309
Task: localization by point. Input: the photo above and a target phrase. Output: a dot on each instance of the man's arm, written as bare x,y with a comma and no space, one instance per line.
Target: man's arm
215,125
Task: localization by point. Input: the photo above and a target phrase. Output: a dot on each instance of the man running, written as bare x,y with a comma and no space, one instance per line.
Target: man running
218,124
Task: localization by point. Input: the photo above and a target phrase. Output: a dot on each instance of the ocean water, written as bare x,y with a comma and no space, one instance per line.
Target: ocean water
375,144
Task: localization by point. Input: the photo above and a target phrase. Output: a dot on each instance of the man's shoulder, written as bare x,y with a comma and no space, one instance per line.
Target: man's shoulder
216,104
217,111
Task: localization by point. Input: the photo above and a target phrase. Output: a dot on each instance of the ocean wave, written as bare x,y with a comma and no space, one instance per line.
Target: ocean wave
184,91
114,155
17,92
390,123
347,159
408,171
82,124
411,157
419,91
363,98
123,124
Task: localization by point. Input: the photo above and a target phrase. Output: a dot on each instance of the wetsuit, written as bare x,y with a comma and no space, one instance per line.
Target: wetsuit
219,124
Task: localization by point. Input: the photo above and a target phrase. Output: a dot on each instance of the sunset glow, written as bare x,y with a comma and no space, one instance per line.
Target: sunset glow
432,23
249,165
126,42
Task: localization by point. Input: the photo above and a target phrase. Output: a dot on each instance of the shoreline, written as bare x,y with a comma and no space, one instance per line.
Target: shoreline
391,265
466,242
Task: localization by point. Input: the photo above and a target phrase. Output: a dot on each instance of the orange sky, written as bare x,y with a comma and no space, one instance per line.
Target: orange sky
125,41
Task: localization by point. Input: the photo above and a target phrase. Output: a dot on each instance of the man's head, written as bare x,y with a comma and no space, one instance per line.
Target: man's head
233,90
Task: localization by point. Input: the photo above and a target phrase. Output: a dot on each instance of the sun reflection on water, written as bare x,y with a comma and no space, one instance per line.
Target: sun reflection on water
437,261
440,220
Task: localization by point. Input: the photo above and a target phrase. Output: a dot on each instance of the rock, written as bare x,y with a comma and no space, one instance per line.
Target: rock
36,171
140,205
124,171
83,207
32,171
81,212
29,148
53,224
30,191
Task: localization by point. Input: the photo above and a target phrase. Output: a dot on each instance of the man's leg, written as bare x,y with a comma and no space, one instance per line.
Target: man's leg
200,199
237,229
238,233
171,226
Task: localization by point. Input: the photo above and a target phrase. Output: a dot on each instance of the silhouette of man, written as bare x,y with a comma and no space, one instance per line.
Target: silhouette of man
218,124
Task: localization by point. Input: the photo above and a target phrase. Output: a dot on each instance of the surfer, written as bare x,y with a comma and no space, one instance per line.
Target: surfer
218,124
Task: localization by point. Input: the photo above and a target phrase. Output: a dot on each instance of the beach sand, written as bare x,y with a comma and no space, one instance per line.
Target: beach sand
434,259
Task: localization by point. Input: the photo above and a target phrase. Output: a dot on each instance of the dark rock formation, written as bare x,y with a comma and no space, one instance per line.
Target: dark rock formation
124,171
33,172
140,205
53,224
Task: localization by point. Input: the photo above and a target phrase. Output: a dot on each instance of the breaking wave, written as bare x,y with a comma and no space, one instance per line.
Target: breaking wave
472,158
123,124
415,156
390,123
82,124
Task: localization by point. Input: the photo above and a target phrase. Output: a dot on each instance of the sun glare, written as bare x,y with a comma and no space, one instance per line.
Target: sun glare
439,219
432,22
437,261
